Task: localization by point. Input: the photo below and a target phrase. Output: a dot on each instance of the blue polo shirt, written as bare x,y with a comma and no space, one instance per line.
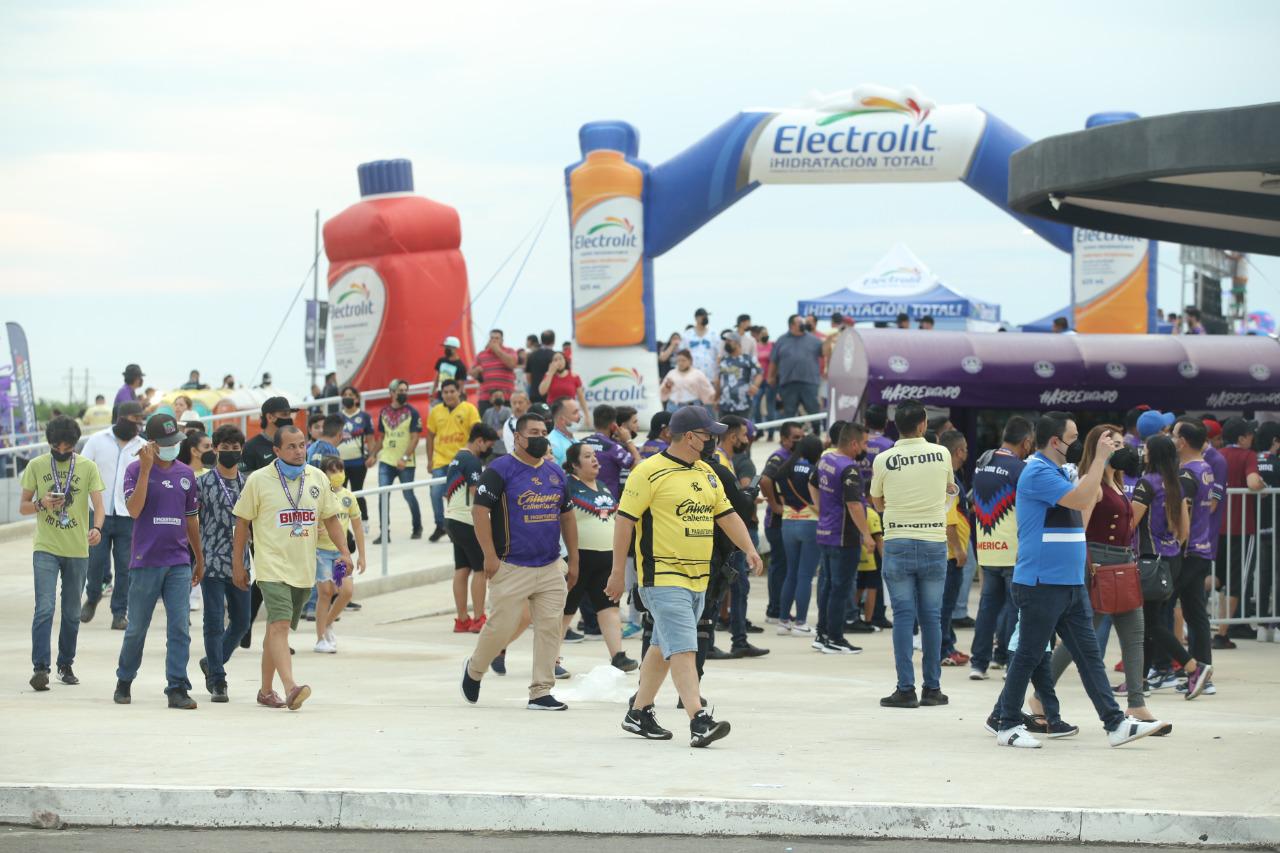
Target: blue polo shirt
1051,544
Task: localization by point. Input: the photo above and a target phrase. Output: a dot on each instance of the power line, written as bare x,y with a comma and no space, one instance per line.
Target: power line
524,261
285,319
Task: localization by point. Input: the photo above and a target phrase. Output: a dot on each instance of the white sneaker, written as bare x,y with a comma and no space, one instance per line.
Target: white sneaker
784,628
1266,634
331,637
1133,729
818,644
1017,737
800,629
325,647
771,620
976,674
197,598
915,642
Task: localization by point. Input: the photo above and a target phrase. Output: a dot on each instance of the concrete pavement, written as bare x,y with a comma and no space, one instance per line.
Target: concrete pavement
386,742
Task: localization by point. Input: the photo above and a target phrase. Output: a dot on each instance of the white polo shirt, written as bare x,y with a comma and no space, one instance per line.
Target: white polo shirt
105,451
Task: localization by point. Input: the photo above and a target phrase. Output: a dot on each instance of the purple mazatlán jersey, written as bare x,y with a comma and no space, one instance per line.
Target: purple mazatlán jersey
1218,464
160,530
838,483
526,502
613,457
1203,535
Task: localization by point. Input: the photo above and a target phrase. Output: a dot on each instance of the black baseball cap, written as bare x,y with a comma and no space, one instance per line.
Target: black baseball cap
1234,428
702,312
542,410
277,405
691,418
163,429
658,423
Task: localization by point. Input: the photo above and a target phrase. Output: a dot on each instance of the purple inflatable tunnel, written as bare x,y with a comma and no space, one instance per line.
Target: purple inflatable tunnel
1046,372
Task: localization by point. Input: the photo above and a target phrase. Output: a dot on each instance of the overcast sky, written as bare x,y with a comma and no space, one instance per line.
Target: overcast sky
161,163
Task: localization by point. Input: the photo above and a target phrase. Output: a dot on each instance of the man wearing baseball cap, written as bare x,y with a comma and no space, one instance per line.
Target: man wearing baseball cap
449,365
129,390
1152,422
161,495
671,506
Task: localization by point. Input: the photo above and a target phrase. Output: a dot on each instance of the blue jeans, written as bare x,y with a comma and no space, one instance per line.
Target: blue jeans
765,404
915,573
835,586
47,568
114,548
1042,610
388,474
437,497
800,539
146,587
226,618
738,593
970,568
796,394
777,569
996,615
950,592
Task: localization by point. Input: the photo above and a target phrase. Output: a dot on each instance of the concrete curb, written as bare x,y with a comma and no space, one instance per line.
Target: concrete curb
15,530
368,585
438,811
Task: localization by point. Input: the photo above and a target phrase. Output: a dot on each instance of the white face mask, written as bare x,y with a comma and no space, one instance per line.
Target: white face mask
168,454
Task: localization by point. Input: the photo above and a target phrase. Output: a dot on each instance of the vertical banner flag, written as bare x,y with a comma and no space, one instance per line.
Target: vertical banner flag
22,375
316,331
1112,283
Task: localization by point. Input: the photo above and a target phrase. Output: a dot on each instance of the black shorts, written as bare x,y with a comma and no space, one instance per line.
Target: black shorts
869,580
466,547
1231,567
593,574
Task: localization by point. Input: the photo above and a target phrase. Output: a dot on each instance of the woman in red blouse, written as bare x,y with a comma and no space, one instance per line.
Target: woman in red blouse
561,383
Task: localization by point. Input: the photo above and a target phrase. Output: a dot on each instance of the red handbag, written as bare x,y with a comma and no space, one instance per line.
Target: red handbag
1115,589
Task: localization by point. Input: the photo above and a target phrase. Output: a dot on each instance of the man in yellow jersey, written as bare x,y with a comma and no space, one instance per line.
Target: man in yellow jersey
449,426
399,426
670,507
909,488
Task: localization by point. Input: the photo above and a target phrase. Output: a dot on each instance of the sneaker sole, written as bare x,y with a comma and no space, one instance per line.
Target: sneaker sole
637,731
978,676
718,731
1135,738
533,707
303,695
1203,681
1055,735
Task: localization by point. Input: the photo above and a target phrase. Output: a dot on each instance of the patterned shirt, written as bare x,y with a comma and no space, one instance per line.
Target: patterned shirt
736,375
217,524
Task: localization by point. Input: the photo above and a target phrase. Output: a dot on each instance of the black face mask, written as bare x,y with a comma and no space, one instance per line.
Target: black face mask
61,457
349,402
499,403
536,446
125,429
1075,450
708,451
283,422
229,458
1127,460
208,458
401,399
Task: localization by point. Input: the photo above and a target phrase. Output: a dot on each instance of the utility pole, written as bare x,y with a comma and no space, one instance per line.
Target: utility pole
86,386
315,294
71,381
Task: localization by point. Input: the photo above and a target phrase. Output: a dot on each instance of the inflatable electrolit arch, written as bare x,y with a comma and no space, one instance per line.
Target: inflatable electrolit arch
624,212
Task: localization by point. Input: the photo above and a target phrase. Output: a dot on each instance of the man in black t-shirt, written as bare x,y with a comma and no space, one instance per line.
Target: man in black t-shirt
789,433
449,366
538,363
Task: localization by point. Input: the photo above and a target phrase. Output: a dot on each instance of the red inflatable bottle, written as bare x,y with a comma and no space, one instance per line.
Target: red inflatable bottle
397,281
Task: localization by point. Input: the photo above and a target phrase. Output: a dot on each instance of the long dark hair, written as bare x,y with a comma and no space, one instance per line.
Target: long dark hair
1162,460
808,448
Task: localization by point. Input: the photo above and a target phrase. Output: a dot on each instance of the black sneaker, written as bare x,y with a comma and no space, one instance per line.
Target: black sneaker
377,540
499,664
87,609
965,622
746,650
436,535
218,693
417,534
119,623
754,629
624,663
572,636
882,623
247,640
933,696
703,731
1222,642
179,700
715,653
353,606
860,627
470,686
122,696
204,667
641,721
901,699
1061,728
546,703
722,625
843,647
40,680
992,724
66,676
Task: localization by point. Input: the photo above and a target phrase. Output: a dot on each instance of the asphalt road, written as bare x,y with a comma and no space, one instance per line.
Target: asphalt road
22,840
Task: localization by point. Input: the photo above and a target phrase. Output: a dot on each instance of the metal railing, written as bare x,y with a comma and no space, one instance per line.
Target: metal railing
384,493
1249,544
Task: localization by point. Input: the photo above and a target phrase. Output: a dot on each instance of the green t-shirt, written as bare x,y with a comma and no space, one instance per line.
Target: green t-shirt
53,535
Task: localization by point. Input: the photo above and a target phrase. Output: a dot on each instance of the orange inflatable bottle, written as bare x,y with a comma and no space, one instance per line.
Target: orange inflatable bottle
607,251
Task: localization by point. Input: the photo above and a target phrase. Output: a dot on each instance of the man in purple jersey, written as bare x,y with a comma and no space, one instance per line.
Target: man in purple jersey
521,511
1189,437
613,447
842,534
162,497
129,390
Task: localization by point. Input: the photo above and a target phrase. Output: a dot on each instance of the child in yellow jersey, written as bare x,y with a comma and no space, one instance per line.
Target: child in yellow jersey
332,595
869,580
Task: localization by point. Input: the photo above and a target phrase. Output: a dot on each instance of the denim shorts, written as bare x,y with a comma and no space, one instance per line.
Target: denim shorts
675,611
324,564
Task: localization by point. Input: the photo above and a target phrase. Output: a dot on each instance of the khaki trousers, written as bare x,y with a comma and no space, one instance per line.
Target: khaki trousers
544,589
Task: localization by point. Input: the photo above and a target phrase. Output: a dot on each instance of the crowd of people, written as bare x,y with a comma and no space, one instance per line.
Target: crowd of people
654,533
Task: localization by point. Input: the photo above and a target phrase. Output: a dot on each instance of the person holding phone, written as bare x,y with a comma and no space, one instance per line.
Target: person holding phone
54,488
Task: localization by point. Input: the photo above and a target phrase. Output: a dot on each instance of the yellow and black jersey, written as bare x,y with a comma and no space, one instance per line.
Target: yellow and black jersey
675,506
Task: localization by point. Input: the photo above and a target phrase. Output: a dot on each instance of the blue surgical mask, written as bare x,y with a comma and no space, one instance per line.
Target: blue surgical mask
168,454
290,471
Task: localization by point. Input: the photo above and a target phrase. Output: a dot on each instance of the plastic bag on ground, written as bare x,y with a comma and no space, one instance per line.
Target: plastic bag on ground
604,683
